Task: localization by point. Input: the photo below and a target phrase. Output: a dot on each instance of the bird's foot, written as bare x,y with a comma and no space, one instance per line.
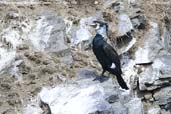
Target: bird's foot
101,78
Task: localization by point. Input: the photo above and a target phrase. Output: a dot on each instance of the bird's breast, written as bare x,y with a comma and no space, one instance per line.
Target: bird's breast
102,57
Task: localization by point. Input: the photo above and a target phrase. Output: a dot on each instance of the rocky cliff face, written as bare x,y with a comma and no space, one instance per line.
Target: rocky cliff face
47,65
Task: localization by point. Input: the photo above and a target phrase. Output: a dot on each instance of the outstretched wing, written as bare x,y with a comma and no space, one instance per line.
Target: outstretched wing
111,54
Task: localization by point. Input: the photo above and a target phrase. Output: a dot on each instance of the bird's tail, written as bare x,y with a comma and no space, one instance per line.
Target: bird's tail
121,82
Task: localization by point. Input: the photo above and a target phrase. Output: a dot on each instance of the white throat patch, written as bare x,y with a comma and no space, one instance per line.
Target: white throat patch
113,66
97,26
102,31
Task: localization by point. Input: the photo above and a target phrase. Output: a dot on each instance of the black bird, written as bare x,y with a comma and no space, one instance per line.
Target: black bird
106,55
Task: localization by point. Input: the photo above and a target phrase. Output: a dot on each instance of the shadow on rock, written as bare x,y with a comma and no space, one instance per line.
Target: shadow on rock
101,79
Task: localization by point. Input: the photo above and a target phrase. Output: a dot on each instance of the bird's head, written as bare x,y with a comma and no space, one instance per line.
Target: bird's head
99,25
101,28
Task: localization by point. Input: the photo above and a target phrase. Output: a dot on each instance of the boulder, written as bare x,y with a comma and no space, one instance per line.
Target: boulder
151,45
84,96
157,75
49,33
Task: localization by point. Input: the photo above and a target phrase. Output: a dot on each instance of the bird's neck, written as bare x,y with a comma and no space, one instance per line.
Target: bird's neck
102,31
98,39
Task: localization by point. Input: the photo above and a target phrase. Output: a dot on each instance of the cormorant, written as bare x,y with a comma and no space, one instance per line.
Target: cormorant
106,55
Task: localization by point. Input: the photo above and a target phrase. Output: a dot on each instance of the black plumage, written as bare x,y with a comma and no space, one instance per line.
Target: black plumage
107,56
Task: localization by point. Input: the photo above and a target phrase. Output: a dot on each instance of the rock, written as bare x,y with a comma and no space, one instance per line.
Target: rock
129,71
48,69
11,38
138,22
13,14
14,71
132,2
135,105
120,27
163,97
9,111
109,3
154,110
32,109
49,33
68,108
137,17
148,96
67,60
96,2
124,24
117,6
152,46
84,96
34,57
46,62
45,107
161,65
85,73
82,36
112,98
124,43
49,36
156,76
6,59
5,86
23,47
117,108
165,112
166,34
24,69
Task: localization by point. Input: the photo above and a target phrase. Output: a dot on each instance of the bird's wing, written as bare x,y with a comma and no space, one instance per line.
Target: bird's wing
111,54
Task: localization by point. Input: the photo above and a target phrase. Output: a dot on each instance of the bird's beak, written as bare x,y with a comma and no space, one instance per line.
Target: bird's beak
94,25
